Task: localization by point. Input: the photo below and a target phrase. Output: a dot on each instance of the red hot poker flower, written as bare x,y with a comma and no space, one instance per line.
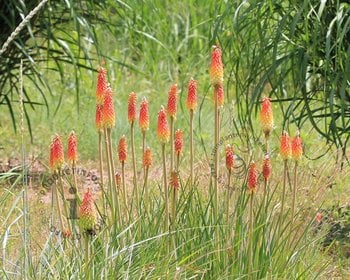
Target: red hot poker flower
108,113
87,213
266,168
297,147
132,107
285,147
174,180
172,101
144,115
178,141
163,130
230,158
192,95
266,116
122,149
252,178
72,154
56,153
102,85
147,158
216,67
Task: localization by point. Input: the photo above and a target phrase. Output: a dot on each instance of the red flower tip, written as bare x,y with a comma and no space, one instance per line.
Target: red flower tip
297,147
102,85
56,153
285,147
98,119
147,157
216,67
163,130
122,149
178,141
266,116
219,94
72,154
132,107
252,178
174,180
108,113
230,158
266,168
144,115
192,95
172,101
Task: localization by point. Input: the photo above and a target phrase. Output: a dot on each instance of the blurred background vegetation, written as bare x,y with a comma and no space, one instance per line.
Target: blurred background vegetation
298,52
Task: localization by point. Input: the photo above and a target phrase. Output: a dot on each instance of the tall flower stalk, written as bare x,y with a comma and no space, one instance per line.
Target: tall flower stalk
99,128
132,119
297,153
171,111
163,134
252,183
229,166
175,185
146,162
191,106
217,79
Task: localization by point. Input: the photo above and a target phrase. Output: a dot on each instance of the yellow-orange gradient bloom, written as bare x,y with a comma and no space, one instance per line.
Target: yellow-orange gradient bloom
108,113
118,179
122,149
297,147
266,168
178,141
102,85
87,213
56,153
216,67
132,107
230,158
144,115
147,158
172,101
266,116
192,95
163,130
252,181
72,153
285,147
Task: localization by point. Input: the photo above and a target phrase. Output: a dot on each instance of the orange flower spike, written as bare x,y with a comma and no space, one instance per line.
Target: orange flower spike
174,180
285,148
230,158
56,153
252,178
178,141
192,95
144,115
98,119
102,85
147,158
219,94
108,113
87,213
266,168
72,154
172,101
266,116
216,67
163,130
122,149
132,107
297,147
